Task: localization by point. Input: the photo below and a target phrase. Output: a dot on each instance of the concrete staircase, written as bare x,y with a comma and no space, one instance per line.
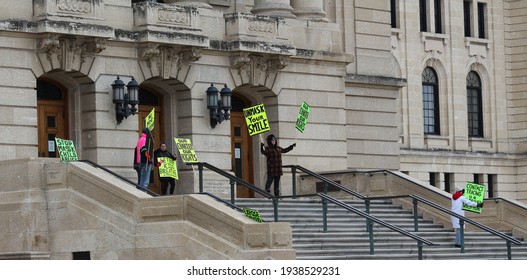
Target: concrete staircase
347,238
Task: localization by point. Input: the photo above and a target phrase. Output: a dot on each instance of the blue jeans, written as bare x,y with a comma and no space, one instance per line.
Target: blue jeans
458,236
144,177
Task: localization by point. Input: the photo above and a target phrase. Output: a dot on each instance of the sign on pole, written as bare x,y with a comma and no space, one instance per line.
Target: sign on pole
476,193
185,150
256,119
149,120
168,167
302,117
66,150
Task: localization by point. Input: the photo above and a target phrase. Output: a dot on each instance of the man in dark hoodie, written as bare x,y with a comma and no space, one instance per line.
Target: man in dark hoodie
457,207
273,152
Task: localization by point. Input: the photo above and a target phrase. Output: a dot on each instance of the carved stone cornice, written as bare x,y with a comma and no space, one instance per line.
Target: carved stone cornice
69,51
256,68
163,59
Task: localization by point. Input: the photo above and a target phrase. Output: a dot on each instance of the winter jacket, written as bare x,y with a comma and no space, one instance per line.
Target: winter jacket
144,149
274,158
457,207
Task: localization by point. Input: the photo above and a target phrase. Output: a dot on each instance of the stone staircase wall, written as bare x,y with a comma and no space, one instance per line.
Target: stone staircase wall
51,209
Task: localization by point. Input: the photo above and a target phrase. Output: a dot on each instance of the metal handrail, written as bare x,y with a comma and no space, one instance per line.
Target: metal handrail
233,179
415,198
118,176
369,218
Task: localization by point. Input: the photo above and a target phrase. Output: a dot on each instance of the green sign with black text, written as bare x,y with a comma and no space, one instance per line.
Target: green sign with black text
474,192
185,150
256,119
253,214
302,117
66,150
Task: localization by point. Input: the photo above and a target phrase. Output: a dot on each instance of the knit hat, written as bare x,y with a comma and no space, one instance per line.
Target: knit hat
459,188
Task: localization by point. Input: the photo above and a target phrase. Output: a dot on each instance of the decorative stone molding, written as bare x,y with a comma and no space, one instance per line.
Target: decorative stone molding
256,68
69,52
75,6
162,60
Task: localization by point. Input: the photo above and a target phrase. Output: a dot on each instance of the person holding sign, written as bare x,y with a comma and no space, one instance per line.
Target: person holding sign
161,157
273,153
144,151
457,207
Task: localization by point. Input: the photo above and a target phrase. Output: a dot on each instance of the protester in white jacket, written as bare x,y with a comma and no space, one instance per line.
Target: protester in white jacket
457,207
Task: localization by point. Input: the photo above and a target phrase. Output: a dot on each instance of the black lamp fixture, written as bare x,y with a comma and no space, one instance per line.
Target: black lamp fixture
219,109
125,102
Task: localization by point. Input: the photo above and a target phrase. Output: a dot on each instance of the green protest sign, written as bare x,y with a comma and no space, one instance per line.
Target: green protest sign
149,120
253,214
66,150
185,150
302,117
476,193
168,167
256,119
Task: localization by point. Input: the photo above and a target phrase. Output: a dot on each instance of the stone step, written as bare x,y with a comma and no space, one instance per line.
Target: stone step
347,238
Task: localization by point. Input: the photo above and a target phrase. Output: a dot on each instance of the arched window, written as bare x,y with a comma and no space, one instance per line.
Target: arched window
474,105
430,102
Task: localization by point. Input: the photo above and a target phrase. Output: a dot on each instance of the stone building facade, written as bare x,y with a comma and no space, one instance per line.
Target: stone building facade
359,65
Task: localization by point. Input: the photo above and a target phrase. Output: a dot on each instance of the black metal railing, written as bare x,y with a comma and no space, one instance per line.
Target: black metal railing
369,221
415,199
234,181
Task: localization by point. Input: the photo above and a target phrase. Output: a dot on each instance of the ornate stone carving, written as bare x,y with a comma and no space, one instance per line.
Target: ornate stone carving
173,16
256,68
75,6
191,55
262,26
242,63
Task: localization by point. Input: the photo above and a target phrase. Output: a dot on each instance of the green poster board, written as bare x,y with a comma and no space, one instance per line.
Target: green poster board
256,119
185,150
253,214
476,193
66,150
168,167
302,117
149,120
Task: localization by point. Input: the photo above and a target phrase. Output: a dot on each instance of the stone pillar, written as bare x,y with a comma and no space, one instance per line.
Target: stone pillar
275,8
309,9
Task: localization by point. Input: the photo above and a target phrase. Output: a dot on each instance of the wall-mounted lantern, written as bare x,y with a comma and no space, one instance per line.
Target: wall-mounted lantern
125,102
219,109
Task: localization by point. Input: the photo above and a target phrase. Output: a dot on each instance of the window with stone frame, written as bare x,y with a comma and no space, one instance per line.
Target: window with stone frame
475,19
474,105
431,15
430,102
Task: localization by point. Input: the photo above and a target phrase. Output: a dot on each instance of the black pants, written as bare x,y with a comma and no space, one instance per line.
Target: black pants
270,180
164,185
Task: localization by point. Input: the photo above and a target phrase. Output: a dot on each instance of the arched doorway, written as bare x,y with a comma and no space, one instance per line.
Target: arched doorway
148,100
241,147
52,117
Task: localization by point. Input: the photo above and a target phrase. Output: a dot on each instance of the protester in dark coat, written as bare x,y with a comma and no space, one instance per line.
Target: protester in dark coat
165,181
273,152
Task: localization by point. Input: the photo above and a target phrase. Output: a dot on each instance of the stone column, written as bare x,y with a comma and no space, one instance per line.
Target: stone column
309,9
275,8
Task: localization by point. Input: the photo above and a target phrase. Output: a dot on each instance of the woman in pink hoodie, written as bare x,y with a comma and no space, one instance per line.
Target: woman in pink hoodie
457,207
144,157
